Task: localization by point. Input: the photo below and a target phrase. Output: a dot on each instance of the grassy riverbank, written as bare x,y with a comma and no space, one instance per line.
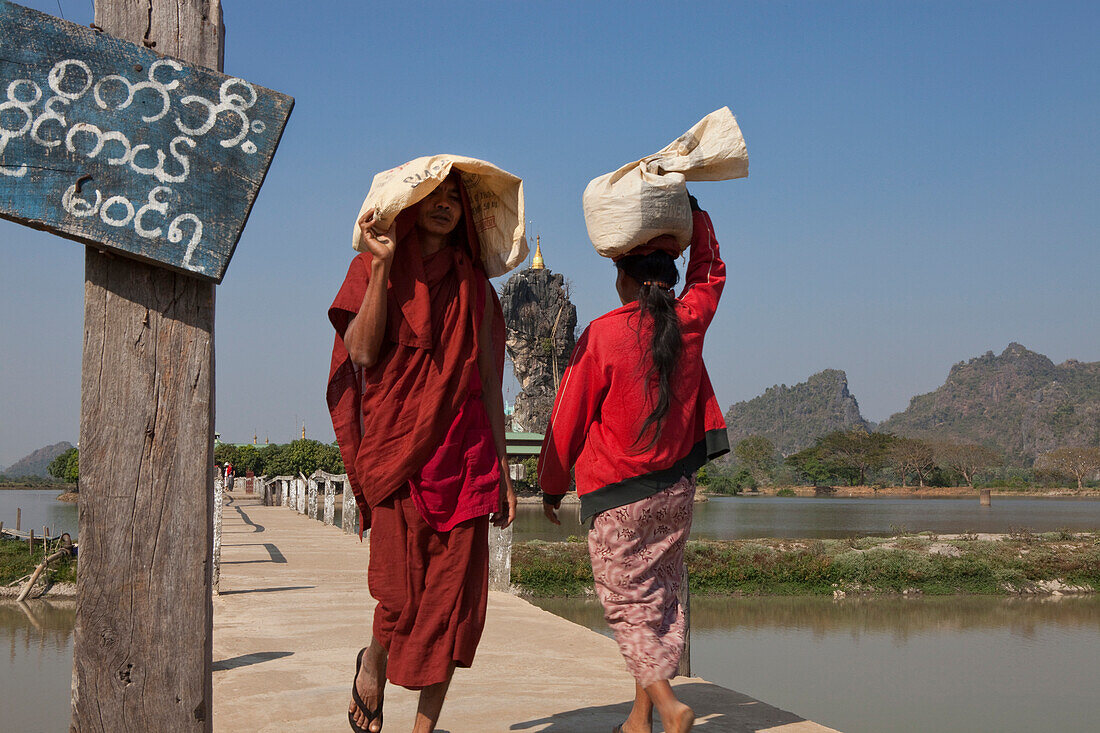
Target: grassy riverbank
1018,563
16,561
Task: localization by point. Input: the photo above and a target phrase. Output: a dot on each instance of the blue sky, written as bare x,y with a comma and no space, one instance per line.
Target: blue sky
923,184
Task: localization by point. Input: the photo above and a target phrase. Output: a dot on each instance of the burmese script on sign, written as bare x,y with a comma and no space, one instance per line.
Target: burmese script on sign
107,142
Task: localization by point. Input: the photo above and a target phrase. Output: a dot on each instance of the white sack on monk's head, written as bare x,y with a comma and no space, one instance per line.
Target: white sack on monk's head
648,198
496,201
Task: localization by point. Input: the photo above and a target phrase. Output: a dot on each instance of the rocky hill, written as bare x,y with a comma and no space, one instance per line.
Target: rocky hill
541,323
1020,402
792,417
35,464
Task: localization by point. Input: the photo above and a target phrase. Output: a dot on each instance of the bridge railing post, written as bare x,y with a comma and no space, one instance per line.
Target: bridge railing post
219,489
311,507
500,558
330,501
350,521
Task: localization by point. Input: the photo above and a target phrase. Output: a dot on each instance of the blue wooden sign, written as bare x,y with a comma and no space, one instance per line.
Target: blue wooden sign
108,143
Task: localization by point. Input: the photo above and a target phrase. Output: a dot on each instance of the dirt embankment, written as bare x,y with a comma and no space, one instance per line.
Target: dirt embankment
910,492
1020,563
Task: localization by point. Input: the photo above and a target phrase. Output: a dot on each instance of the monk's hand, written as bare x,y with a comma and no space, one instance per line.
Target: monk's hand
379,243
551,512
507,511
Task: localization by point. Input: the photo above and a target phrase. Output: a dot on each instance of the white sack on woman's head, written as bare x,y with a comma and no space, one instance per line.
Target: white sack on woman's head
648,198
496,199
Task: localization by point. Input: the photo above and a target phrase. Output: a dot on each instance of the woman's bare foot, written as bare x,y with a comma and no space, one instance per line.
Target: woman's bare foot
371,685
640,719
678,720
630,725
675,715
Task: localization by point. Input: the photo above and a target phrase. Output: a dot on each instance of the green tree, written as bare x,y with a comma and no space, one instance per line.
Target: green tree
966,459
66,467
857,449
226,452
302,456
248,459
817,466
757,455
530,481
1076,461
910,455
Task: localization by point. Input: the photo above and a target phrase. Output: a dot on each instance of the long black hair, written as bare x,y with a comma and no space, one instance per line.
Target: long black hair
656,273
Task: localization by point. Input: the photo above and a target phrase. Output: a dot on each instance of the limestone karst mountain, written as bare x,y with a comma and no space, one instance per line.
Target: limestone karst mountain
1019,402
541,323
792,417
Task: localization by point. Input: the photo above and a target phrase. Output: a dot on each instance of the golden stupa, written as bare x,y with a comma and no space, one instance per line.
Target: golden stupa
536,261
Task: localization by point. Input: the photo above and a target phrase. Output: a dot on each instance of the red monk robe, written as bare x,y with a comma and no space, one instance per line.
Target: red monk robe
418,449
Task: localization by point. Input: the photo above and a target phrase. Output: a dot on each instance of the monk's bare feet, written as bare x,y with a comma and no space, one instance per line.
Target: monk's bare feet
371,685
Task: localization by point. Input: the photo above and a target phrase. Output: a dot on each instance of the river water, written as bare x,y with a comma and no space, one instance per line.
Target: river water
943,664
730,518
36,644
900,665
734,517
40,508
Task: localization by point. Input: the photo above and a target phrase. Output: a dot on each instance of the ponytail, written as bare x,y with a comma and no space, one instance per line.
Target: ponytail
657,274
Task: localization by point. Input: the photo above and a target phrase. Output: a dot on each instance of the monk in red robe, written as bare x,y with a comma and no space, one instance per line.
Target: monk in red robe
415,397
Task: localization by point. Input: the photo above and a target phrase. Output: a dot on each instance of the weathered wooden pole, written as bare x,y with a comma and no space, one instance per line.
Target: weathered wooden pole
142,657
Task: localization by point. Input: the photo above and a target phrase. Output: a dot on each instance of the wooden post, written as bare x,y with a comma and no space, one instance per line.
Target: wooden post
144,618
330,501
301,483
18,518
985,497
684,670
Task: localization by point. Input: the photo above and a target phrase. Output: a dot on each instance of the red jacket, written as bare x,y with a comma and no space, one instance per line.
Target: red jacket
605,397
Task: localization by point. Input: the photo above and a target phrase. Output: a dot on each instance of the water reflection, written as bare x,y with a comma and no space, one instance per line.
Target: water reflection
961,663
728,518
35,678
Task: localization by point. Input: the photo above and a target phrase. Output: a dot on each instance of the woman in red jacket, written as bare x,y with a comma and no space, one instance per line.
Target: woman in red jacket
636,417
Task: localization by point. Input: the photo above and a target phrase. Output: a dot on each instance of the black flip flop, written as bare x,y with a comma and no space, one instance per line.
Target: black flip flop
372,715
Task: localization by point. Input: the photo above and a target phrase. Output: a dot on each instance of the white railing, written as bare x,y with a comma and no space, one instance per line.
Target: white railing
300,493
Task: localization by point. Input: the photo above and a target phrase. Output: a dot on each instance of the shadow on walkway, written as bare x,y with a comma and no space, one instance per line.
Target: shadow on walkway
246,659
266,590
248,520
273,553
717,710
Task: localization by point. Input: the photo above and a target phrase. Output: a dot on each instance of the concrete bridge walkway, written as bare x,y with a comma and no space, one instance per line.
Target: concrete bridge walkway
294,609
